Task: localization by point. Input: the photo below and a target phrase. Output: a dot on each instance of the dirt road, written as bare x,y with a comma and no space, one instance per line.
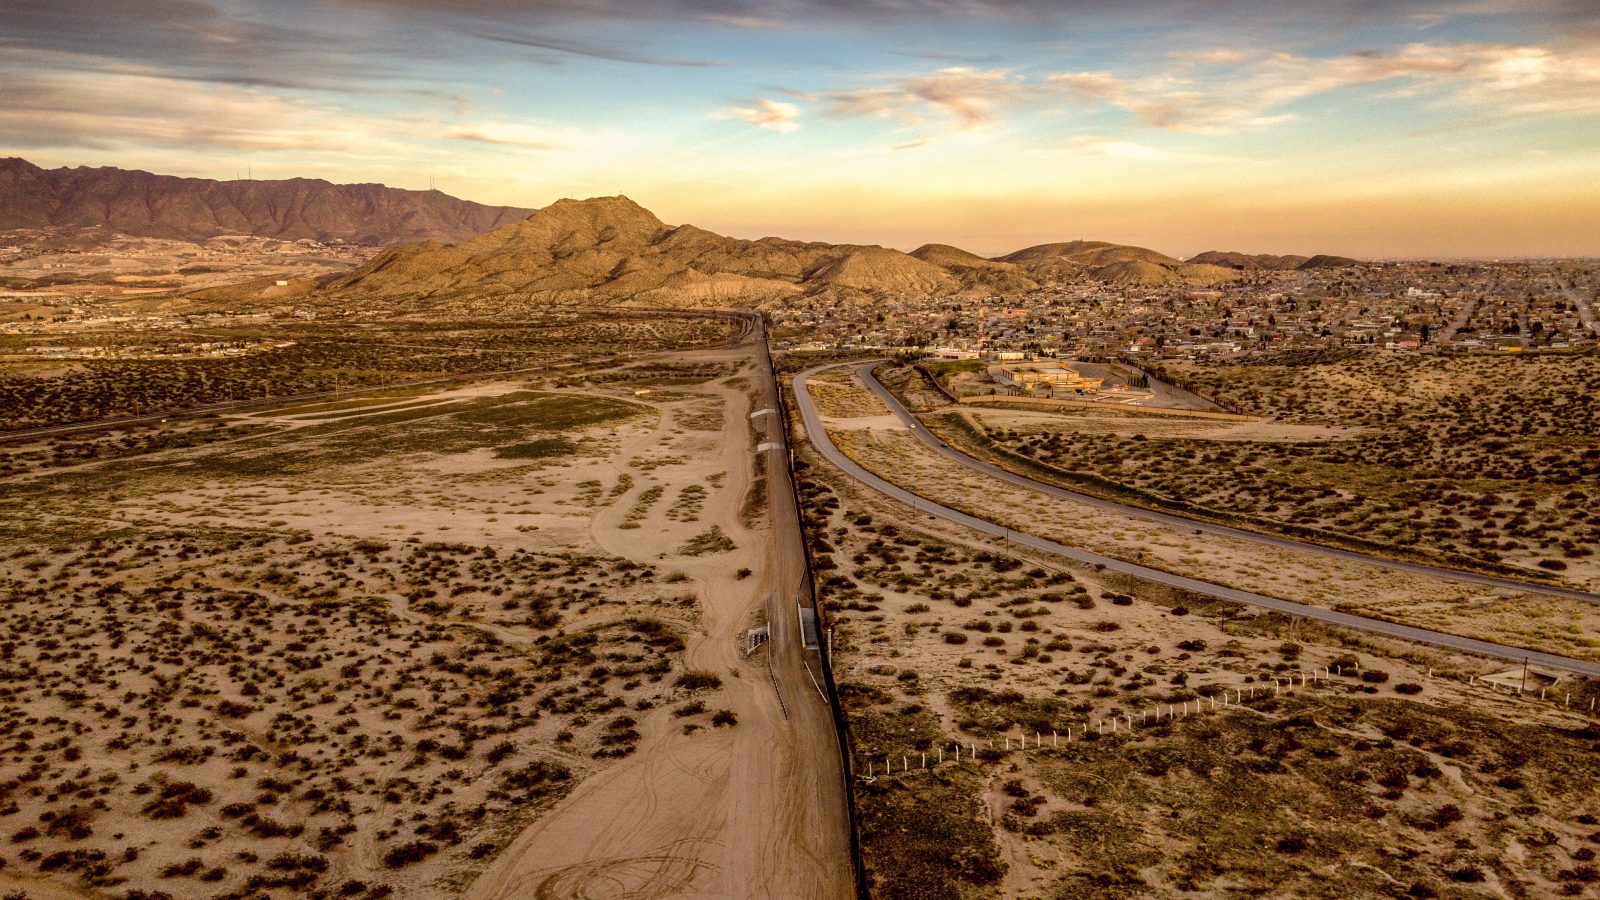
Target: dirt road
756,810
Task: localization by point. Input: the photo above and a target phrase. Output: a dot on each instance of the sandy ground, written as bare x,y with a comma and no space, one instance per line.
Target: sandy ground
716,815
692,809
1089,808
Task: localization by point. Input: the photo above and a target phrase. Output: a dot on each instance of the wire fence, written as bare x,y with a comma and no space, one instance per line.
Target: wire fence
992,750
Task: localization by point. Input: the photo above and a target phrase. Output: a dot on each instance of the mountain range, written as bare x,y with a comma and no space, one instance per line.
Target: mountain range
1248,262
196,209
612,250
601,250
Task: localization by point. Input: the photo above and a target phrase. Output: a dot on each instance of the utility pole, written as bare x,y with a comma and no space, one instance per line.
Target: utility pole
1524,675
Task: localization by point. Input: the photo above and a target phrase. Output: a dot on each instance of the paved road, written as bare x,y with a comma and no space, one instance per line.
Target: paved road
1459,321
1492,581
1585,308
824,445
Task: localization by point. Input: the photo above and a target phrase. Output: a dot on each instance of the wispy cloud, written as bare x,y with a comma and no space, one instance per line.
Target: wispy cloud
1498,78
1114,148
103,111
1064,14
596,51
527,135
100,111
206,41
775,115
970,97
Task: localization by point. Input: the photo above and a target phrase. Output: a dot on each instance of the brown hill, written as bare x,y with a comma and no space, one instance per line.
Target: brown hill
946,255
1246,261
1205,273
1324,261
1117,264
195,209
874,268
1089,254
974,271
1251,262
1136,273
611,250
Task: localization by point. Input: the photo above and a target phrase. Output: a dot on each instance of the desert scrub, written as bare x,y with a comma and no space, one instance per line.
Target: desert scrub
641,506
544,448
712,540
923,837
688,505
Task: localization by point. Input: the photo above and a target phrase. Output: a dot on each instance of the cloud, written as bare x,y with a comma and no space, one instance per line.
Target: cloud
1114,148
1498,79
771,114
746,22
528,135
969,96
595,51
100,111
868,102
1061,14
1220,56
199,40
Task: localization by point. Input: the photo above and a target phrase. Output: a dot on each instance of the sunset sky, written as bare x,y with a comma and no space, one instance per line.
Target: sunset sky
1363,127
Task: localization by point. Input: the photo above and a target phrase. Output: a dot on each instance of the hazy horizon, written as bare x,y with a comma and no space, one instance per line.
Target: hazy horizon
1403,128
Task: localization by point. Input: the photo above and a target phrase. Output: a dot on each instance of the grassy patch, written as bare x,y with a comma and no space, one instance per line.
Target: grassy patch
922,836
712,540
548,412
544,448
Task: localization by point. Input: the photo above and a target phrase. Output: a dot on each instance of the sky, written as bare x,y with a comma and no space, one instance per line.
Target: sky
1372,128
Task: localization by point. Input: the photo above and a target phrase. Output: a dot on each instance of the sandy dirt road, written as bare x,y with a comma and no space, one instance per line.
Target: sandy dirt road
756,810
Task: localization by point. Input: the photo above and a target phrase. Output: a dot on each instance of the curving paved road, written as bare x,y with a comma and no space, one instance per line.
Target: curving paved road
1140,512
818,436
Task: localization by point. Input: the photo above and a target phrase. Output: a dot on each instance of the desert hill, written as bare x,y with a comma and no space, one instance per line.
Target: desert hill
1117,264
1324,261
874,268
1088,254
1248,262
609,250
946,255
980,273
612,250
196,209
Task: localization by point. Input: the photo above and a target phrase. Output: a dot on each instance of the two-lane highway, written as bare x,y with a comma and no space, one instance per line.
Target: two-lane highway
824,445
